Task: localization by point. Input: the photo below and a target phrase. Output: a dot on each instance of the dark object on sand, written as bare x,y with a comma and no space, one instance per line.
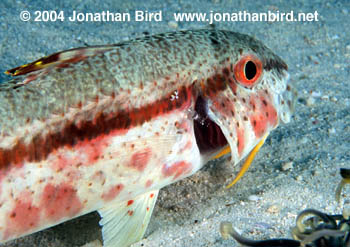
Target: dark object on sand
313,228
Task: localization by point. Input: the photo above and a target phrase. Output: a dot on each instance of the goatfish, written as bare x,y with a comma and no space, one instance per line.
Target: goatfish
106,127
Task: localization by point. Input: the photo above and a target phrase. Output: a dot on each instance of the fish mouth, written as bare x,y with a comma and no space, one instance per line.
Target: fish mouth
208,134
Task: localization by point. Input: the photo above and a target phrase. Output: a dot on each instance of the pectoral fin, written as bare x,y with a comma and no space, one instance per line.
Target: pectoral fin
124,223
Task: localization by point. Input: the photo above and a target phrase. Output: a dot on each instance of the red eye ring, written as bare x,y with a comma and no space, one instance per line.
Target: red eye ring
248,70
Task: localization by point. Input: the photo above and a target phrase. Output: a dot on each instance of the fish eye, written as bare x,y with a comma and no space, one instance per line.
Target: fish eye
248,70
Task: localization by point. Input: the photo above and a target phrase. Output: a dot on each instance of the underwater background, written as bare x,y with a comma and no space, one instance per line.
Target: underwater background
297,168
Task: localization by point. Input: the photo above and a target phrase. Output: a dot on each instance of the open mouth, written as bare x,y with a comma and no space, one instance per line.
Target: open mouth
208,134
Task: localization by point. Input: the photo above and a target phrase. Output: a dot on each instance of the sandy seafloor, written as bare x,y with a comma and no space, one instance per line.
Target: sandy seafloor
266,201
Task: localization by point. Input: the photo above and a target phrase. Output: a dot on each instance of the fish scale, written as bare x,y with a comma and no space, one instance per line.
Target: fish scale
104,128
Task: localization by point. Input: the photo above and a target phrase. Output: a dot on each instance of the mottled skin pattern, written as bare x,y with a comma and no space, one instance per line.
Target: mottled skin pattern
91,126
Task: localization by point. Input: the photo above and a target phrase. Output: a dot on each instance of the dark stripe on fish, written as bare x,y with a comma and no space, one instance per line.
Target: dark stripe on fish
102,124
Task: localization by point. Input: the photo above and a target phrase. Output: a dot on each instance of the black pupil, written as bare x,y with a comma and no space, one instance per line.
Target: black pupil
250,70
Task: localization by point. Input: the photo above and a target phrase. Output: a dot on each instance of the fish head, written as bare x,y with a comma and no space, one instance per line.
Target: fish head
246,98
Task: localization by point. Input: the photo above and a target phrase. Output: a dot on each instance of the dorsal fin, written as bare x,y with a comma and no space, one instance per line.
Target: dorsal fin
63,57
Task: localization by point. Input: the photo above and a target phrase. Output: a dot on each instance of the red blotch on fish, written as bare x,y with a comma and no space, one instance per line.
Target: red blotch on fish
224,106
23,218
130,202
177,169
187,146
233,85
130,212
113,192
264,116
60,201
184,125
139,160
270,113
148,183
61,163
259,124
215,84
93,149
240,140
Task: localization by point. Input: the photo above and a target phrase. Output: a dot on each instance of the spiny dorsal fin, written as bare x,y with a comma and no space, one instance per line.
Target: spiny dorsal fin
64,57
124,223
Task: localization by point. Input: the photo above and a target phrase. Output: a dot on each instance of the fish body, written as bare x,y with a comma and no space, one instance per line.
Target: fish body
104,128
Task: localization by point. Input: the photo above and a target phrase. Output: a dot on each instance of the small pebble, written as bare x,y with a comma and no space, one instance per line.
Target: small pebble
291,215
273,209
316,172
331,208
287,166
263,225
310,101
325,97
95,243
173,24
335,36
334,99
331,131
253,198
304,140
337,66
299,178
347,48
347,102
314,59
316,94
